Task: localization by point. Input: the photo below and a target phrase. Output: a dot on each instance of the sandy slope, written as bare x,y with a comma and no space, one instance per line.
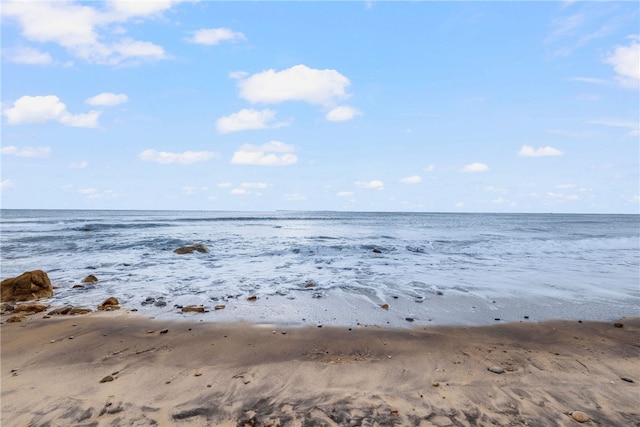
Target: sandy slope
201,374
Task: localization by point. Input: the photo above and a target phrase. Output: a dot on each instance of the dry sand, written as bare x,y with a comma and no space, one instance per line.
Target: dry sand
203,374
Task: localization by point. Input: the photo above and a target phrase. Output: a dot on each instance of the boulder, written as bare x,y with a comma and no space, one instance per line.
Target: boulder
189,249
69,310
28,286
30,307
110,303
90,279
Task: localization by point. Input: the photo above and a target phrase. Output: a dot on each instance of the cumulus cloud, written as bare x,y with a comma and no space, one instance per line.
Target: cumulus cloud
213,36
475,167
626,63
27,55
414,179
529,151
107,99
342,114
12,150
265,154
42,109
184,158
372,185
248,119
298,83
87,31
246,187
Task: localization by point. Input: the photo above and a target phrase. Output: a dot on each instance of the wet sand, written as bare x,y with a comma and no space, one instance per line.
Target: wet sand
116,368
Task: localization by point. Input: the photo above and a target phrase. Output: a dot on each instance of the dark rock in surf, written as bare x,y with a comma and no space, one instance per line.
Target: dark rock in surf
110,303
28,286
189,249
90,279
376,251
193,309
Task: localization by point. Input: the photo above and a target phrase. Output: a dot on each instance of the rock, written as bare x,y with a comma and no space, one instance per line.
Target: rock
409,319
627,379
376,251
189,249
193,309
6,308
219,307
385,306
90,279
77,287
618,325
28,286
164,331
309,285
16,319
110,303
32,307
107,379
435,384
496,369
69,310
579,416
252,298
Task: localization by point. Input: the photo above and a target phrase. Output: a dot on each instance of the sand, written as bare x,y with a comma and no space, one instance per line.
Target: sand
119,369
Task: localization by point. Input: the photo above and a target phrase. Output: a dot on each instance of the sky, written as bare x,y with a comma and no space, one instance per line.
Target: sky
357,106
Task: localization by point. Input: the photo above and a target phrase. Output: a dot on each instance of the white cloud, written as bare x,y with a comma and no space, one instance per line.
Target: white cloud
6,184
189,190
430,168
42,109
571,197
239,191
27,55
459,205
88,32
295,197
626,63
248,119
126,9
565,186
12,150
213,36
414,179
345,194
529,151
264,155
373,185
224,185
236,75
254,185
632,126
92,193
492,189
107,99
342,114
79,165
475,167
298,83
185,158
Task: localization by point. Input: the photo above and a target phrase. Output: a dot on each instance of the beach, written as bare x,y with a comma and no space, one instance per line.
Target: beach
119,368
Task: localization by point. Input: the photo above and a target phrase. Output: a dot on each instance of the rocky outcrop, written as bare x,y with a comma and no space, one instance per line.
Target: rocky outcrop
189,249
90,279
68,310
110,303
28,286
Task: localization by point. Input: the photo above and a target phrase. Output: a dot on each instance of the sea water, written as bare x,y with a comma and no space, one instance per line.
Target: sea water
335,267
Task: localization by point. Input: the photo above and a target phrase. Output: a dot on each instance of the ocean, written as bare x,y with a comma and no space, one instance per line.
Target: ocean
335,268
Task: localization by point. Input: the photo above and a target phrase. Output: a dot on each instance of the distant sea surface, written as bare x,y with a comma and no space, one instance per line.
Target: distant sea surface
335,267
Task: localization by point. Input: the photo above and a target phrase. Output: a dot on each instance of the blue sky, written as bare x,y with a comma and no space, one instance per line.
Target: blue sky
364,106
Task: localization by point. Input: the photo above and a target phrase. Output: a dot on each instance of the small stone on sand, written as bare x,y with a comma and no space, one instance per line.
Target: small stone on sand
496,369
107,379
219,307
385,306
580,416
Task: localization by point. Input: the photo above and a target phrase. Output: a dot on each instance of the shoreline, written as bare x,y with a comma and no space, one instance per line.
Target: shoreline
193,373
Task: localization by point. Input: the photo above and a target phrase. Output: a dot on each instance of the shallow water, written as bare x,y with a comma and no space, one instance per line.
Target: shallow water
322,267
